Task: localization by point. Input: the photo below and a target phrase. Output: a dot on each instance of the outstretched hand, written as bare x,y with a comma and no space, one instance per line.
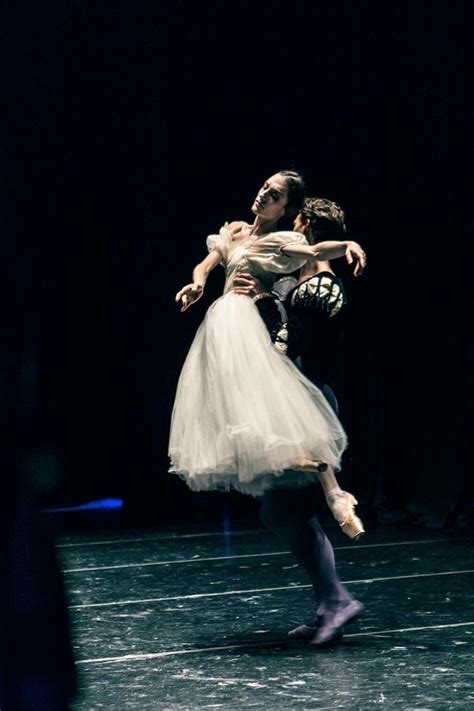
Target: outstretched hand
188,295
355,253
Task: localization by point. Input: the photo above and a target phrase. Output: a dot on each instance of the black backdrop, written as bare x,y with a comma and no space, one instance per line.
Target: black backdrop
132,130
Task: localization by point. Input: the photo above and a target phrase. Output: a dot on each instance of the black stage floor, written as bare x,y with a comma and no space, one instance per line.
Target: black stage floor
195,619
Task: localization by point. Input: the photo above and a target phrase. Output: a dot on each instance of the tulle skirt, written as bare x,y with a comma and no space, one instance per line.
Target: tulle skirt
243,413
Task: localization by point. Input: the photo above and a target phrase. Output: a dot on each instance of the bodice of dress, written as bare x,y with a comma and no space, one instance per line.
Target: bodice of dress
260,255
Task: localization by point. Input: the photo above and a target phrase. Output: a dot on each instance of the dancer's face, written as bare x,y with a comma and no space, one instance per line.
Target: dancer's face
272,198
301,225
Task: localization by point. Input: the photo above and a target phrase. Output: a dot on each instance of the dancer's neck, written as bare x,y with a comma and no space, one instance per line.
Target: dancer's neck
260,226
312,268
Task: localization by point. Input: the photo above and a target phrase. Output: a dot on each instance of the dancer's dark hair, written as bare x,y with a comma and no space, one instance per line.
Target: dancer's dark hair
296,191
327,218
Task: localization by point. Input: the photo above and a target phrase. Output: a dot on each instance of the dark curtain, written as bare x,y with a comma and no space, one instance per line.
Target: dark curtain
135,129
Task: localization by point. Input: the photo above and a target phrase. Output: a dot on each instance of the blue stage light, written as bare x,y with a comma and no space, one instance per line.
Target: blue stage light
103,504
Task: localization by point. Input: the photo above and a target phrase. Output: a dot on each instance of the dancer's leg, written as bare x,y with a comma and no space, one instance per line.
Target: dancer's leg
341,503
290,514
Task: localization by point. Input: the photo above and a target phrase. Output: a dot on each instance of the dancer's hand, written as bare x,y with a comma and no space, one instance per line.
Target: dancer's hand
189,294
247,285
355,253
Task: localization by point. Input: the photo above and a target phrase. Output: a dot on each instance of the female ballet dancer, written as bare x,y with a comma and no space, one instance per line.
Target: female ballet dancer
244,416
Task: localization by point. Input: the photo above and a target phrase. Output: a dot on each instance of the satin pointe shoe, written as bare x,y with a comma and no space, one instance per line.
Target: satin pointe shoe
331,625
310,465
342,505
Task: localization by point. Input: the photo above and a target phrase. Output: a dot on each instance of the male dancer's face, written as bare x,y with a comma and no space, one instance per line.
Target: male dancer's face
301,226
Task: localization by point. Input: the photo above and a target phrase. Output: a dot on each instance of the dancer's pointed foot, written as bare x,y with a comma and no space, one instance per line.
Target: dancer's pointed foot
342,505
310,465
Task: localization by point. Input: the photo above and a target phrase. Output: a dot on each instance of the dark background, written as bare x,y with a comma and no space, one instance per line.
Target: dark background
134,129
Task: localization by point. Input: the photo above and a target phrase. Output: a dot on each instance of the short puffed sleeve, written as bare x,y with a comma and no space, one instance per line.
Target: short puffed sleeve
221,242
273,258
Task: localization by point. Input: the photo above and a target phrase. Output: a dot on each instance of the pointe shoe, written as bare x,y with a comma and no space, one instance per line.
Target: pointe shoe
342,506
310,465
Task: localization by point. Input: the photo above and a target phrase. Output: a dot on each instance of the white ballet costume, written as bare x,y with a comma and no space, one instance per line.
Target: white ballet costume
243,413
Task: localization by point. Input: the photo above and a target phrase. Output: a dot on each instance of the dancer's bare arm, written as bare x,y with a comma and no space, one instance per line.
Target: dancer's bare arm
331,249
191,293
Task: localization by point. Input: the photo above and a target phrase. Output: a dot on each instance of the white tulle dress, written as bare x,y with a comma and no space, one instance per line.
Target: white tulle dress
243,413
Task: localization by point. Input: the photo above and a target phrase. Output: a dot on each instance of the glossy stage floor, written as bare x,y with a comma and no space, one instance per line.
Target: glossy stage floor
196,619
